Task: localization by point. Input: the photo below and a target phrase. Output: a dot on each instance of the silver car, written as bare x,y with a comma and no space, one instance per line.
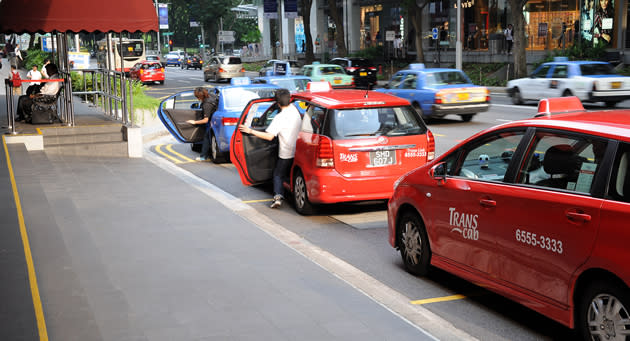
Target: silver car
223,67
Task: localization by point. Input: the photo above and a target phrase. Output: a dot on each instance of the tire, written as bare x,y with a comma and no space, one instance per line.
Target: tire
205,78
612,302
610,104
196,147
300,195
215,155
413,243
516,96
567,93
161,82
467,117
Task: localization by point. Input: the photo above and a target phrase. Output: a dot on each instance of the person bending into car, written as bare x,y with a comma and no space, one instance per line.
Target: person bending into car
203,117
286,126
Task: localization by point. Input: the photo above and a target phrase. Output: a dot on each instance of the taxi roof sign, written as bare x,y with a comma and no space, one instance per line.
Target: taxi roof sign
559,105
318,86
241,81
416,66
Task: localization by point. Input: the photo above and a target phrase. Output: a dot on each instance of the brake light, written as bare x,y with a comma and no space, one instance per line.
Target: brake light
430,146
352,69
325,156
487,95
141,71
201,62
242,69
161,69
221,70
438,98
229,121
372,68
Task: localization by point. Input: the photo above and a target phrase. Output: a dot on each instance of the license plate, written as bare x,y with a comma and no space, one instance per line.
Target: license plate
381,158
615,85
362,74
463,96
337,81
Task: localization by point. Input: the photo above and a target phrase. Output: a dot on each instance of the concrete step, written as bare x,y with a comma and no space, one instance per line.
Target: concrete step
93,149
116,136
90,129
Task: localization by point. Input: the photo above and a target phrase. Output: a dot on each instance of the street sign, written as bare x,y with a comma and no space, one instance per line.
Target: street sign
226,39
390,35
226,33
434,33
167,33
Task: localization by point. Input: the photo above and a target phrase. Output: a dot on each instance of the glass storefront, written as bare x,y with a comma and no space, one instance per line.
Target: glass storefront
551,24
370,23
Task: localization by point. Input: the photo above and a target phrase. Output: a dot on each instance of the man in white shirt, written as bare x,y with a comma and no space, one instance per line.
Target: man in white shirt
34,75
286,126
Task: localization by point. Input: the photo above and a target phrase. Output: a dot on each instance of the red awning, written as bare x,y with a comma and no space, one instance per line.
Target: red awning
30,16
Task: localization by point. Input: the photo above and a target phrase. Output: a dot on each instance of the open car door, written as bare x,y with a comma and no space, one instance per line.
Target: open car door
175,110
255,158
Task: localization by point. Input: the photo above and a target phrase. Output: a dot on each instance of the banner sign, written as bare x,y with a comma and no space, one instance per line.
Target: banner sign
163,16
270,9
290,9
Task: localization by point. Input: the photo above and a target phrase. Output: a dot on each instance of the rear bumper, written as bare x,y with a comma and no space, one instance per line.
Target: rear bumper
611,95
327,186
225,75
439,110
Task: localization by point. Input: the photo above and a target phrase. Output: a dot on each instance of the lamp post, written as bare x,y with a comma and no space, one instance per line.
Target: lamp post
458,44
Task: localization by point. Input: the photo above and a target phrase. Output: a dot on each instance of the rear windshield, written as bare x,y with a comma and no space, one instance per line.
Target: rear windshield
445,78
237,98
360,62
132,49
293,85
294,64
331,70
389,121
232,60
596,69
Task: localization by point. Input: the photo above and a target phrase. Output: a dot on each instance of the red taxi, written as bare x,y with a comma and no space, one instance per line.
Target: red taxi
352,145
148,72
536,210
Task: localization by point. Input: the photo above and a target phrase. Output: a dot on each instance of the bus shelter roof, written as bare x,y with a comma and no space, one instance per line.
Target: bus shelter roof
30,16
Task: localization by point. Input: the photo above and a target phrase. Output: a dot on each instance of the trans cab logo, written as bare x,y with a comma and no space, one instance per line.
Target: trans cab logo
464,223
348,157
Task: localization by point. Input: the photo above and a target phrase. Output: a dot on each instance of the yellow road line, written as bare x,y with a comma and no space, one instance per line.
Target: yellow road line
158,149
183,157
32,278
438,299
254,201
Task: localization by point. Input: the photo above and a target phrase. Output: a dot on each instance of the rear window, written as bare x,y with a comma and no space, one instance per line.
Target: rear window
361,62
596,69
132,49
331,70
233,60
388,121
294,64
445,78
237,98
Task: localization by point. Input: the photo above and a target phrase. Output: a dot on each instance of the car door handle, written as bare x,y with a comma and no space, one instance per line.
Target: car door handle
487,203
578,217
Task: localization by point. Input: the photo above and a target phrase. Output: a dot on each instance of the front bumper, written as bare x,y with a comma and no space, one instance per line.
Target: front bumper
439,110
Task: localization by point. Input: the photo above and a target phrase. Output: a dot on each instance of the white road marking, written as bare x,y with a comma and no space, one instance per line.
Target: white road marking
521,107
502,120
421,318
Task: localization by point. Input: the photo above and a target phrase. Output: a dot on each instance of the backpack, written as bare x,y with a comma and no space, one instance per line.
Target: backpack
17,79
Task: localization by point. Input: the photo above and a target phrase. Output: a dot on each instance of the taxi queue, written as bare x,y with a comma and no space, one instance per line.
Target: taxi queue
463,211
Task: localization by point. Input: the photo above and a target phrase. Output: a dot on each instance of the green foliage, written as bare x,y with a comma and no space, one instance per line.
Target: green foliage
576,52
35,57
480,74
246,31
254,66
140,99
625,71
372,53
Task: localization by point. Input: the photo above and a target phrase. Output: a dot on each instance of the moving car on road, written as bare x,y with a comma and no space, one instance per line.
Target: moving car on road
173,59
438,92
223,67
194,62
331,73
363,70
147,72
536,210
268,67
175,110
590,81
291,83
352,146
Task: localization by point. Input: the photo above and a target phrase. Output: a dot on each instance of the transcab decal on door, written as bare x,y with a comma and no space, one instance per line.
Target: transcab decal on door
464,223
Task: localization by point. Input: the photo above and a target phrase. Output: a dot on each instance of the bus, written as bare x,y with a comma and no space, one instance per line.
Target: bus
133,51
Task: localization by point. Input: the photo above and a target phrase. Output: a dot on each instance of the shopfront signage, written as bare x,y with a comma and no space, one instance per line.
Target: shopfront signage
390,35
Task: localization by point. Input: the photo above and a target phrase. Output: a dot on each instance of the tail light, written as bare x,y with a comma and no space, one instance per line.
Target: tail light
594,86
201,62
487,95
430,146
372,68
352,69
438,98
325,156
242,69
141,72
161,69
229,121
221,70
352,83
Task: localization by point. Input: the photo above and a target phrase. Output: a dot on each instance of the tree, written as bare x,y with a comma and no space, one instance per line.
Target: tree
518,22
414,9
339,30
306,17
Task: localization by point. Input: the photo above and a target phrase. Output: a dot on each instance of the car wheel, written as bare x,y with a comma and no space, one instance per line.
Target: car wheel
602,313
467,117
205,78
215,155
196,147
300,195
516,96
161,82
413,243
611,104
567,93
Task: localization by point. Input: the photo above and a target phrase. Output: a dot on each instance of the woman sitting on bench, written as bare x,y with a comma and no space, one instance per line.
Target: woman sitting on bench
48,89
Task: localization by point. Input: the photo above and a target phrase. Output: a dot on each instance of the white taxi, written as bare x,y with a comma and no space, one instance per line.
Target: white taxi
590,81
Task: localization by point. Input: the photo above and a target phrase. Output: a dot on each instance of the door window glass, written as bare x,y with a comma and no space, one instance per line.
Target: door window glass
410,81
541,72
619,187
396,80
185,100
559,161
560,71
488,158
313,121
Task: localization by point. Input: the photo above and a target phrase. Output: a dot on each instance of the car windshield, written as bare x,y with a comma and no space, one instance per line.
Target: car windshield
331,70
445,78
596,69
172,56
293,85
237,98
387,121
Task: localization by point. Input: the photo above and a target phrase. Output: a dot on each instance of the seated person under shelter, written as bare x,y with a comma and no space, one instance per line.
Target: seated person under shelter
48,89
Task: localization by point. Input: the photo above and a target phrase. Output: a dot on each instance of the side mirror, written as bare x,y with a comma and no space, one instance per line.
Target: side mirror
438,172
195,106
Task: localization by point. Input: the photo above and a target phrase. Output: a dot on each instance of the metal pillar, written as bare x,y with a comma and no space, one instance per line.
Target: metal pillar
458,44
123,88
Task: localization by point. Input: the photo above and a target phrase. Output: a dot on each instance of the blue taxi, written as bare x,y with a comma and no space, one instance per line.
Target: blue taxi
175,110
280,74
437,92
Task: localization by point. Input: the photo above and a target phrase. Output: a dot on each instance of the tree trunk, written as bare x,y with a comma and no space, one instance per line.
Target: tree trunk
518,50
306,17
339,34
415,12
